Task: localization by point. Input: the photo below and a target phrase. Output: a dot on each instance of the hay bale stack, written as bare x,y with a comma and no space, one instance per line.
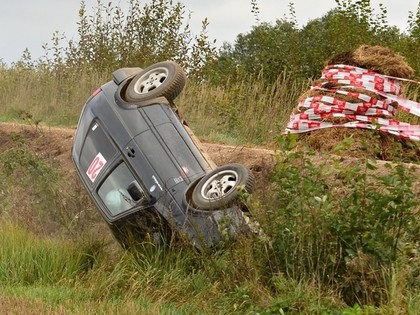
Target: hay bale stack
381,60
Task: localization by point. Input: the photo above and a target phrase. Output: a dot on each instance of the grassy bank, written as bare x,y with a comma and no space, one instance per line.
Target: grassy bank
343,239
41,276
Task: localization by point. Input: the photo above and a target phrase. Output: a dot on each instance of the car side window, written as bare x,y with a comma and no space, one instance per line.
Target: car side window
120,191
96,152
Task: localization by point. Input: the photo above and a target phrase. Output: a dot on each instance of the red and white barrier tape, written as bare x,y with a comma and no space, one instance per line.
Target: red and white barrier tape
312,111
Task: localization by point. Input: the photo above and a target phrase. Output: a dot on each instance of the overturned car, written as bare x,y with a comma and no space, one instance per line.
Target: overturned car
144,169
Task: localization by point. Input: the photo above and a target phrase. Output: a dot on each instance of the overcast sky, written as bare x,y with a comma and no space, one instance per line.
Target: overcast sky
31,23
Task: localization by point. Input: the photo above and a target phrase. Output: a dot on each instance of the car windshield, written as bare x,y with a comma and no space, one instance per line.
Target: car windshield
120,191
96,152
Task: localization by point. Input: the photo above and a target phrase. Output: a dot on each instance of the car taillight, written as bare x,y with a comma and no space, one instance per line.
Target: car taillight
96,92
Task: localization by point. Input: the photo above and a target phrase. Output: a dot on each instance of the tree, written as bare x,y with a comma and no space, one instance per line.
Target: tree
273,48
109,38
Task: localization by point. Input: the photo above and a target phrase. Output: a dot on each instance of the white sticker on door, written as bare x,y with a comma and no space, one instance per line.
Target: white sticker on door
96,166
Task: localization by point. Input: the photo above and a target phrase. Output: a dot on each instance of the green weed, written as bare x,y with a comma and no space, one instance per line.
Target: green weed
341,225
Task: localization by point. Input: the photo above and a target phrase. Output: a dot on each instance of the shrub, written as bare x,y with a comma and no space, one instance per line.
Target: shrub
341,224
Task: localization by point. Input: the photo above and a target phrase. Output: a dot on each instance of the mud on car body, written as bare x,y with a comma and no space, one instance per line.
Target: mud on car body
143,168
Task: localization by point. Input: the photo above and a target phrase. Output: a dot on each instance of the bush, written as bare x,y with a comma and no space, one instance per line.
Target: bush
341,224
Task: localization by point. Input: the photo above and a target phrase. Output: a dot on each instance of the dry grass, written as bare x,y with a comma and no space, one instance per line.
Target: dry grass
247,111
380,59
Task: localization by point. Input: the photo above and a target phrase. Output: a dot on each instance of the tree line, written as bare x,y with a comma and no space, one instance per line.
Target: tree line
109,38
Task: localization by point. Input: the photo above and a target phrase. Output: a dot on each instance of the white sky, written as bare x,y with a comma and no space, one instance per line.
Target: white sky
29,23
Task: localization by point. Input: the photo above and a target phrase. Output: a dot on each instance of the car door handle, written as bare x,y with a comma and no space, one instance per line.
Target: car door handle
130,152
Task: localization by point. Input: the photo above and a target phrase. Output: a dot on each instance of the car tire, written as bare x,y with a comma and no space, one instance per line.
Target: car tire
219,188
163,79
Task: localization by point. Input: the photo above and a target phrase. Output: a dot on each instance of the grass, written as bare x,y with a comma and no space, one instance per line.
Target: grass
156,281
245,112
161,281
41,97
54,274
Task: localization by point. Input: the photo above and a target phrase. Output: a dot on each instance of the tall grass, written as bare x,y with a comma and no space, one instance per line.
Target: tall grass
55,275
27,260
39,96
248,110
245,111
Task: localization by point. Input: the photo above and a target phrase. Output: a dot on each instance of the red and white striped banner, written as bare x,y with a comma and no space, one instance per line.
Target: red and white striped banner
367,113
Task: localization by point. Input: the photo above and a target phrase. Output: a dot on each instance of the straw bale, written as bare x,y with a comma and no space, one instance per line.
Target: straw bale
365,143
380,59
381,145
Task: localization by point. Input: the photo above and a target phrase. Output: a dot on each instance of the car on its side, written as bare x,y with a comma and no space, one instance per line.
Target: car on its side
146,172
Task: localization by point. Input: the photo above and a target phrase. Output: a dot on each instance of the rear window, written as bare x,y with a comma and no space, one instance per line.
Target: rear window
180,150
183,165
97,151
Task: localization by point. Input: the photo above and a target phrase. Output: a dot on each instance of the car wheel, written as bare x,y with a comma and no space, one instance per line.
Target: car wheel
219,188
165,79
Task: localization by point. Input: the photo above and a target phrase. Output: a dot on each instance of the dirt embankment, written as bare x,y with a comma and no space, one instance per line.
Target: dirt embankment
54,144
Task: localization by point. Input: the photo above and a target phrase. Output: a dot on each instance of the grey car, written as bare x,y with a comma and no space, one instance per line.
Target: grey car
144,169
